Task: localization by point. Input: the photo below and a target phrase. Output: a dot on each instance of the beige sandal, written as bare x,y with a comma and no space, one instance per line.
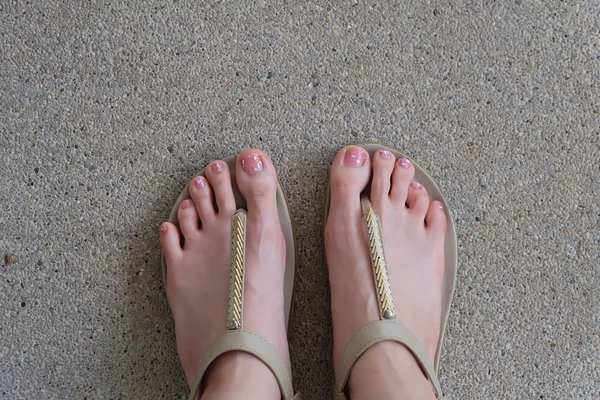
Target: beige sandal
388,328
234,337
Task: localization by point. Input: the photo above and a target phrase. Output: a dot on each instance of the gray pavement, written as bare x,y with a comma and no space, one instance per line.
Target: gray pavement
107,109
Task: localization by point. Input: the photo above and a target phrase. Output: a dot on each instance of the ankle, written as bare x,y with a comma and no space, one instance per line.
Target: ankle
239,375
389,371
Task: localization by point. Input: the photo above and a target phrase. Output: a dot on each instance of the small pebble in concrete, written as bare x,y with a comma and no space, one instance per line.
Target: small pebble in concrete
10,258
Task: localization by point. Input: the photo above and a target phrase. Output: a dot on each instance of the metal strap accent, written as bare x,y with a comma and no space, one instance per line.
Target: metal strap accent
380,275
236,280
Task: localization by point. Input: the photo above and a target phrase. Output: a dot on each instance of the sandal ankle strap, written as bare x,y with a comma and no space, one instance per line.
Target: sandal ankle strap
252,343
377,332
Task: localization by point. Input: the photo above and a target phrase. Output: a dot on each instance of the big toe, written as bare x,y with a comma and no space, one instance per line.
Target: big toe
257,180
350,173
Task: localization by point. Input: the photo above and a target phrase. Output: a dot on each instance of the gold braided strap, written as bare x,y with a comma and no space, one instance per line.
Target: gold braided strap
236,279
380,275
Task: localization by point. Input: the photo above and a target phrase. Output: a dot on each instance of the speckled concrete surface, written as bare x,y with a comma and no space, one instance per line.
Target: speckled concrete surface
107,108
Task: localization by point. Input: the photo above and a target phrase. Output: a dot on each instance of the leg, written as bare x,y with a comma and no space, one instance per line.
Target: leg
413,234
198,275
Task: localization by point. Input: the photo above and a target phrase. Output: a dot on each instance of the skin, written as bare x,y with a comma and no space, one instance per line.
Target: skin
198,273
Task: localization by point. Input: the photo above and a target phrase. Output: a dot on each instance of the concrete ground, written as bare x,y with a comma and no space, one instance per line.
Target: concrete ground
108,108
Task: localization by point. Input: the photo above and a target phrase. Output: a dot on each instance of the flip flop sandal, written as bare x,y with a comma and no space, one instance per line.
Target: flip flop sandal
234,337
388,328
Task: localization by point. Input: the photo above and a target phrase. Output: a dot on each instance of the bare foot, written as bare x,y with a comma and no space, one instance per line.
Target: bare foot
413,230
198,275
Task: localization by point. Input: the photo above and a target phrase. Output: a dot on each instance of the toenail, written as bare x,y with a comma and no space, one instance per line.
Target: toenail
252,163
354,157
185,204
416,185
163,227
217,167
385,154
199,183
405,163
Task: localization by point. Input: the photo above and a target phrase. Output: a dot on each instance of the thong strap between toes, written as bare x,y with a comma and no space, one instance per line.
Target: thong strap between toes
235,337
387,328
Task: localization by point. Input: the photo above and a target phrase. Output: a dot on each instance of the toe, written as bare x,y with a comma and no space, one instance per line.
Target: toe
201,194
401,178
219,176
417,200
257,180
436,218
383,166
170,242
188,219
350,173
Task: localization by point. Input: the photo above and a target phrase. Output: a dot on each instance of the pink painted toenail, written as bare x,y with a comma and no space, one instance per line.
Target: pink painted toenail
416,185
217,167
385,154
199,183
185,204
163,228
405,163
354,157
252,163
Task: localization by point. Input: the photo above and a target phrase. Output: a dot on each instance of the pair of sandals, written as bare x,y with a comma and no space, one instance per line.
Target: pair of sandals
235,338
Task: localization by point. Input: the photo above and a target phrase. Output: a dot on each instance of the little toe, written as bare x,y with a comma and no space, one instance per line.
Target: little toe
170,242
350,173
219,176
417,200
188,219
403,174
202,195
257,180
383,166
436,219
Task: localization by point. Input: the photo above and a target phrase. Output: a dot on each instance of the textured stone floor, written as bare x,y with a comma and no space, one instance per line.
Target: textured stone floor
107,109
